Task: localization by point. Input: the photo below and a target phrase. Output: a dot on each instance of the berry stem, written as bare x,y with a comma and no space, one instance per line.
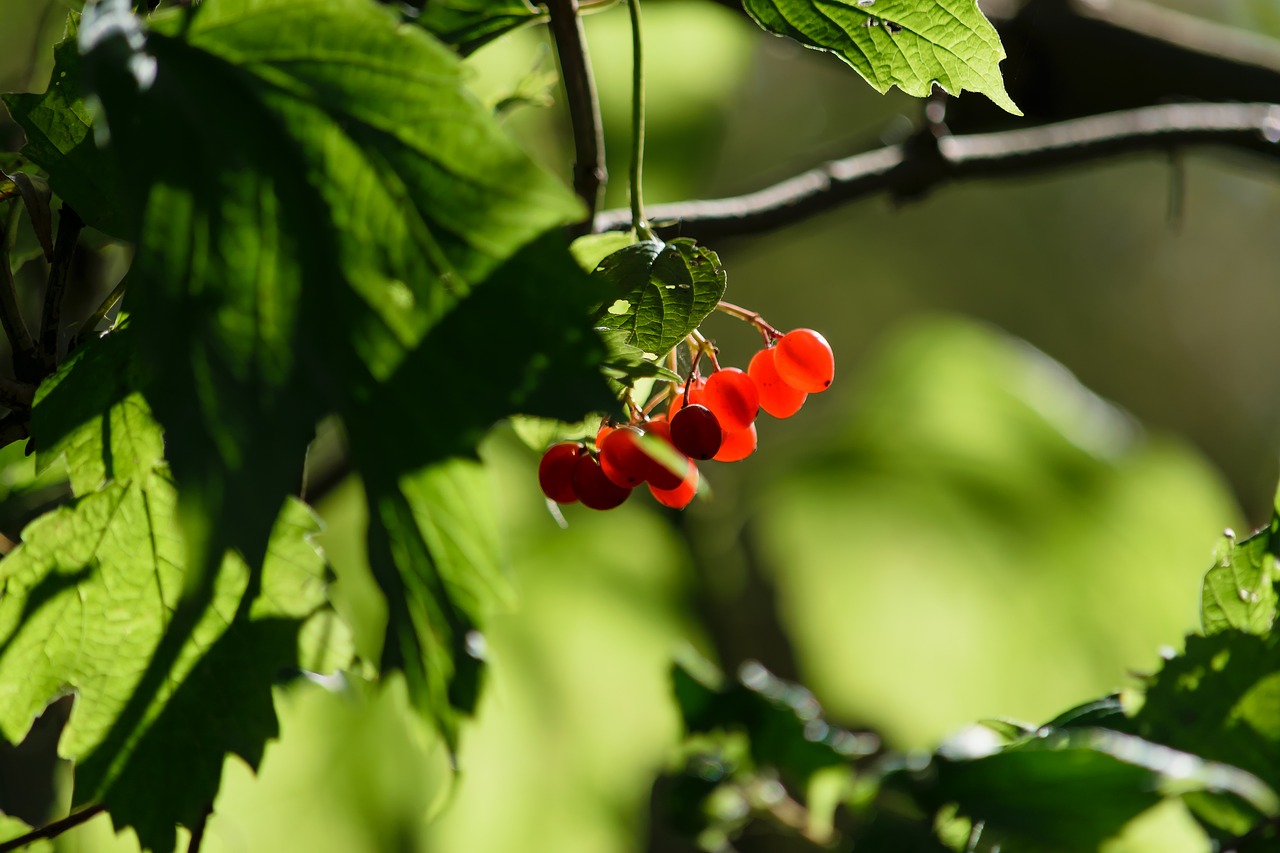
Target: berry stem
705,346
753,317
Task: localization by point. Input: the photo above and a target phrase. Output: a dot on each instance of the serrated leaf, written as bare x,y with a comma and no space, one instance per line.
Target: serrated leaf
91,413
911,44
93,604
60,139
282,141
1073,789
1240,590
630,364
468,25
433,548
658,292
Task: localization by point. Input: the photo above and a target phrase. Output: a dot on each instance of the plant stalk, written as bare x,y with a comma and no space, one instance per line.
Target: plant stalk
638,222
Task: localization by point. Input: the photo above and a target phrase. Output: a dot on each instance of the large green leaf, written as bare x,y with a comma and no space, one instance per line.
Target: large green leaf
1240,590
280,142
658,292
91,413
92,604
911,44
60,139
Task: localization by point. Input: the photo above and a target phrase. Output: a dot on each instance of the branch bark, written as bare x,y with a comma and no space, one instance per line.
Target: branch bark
53,830
589,174
933,158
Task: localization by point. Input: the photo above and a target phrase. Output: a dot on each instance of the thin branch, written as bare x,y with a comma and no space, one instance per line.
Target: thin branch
64,248
197,831
53,830
88,326
26,359
924,163
589,174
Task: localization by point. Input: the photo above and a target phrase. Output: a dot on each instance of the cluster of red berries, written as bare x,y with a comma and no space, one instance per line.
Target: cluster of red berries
707,418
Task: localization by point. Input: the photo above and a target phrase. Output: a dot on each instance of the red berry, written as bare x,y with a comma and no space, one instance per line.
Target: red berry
776,396
555,471
696,432
622,458
737,445
804,360
603,433
668,466
593,488
678,497
696,392
733,397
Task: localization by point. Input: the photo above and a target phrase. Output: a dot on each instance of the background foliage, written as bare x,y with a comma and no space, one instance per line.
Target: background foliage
958,531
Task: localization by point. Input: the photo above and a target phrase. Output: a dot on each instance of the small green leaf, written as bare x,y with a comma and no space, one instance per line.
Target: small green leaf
911,44
1073,789
590,250
468,25
1220,699
1240,590
658,293
60,139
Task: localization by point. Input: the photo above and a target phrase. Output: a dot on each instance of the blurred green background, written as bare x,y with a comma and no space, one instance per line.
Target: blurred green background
963,527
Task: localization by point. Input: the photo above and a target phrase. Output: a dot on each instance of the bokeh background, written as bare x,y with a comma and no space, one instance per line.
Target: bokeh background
1052,395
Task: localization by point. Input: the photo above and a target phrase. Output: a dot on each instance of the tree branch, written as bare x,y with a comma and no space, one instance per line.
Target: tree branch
53,830
926,162
589,174
69,227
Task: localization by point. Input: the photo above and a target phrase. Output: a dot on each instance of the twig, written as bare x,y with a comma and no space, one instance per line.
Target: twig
638,221
909,170
64,249
589,174
26,359
15,394
53,830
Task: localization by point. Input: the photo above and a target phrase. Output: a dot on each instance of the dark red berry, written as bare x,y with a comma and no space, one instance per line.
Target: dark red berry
667,466
804,360
696,391
737,445
696,432
593,488
776,396
733,398
678,497
622,459
555,471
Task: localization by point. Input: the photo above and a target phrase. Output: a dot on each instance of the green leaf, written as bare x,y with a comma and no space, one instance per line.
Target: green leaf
91,413
1240,590
590,249
1067,790
911,44
1220,699
60,139
468,25
433,548
282,141
658,293
93,604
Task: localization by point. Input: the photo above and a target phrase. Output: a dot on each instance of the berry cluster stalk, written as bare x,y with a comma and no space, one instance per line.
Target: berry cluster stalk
638,222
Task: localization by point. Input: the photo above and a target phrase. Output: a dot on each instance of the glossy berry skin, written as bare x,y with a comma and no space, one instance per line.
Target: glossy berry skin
804,360
776,396
593,488
733,398
603,433
659,475
680,496
737,445
555,471
696,432
622,459
696,392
